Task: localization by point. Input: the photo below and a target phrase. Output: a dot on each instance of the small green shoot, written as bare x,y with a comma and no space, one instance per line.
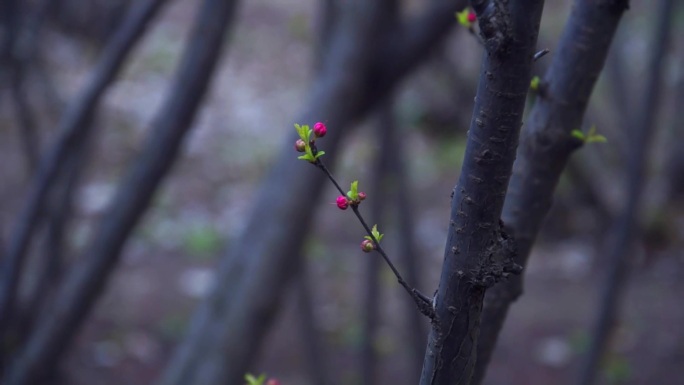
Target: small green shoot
590,137
251,380
534,83
378,236
305,134
466,18
353,193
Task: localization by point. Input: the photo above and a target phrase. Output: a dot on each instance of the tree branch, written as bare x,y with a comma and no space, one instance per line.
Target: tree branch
478,252
356,74
546,145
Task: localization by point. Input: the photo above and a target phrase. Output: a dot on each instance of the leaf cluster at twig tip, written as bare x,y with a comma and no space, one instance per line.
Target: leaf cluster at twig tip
306,144
261,380
590,137
466,17
251,380
378,235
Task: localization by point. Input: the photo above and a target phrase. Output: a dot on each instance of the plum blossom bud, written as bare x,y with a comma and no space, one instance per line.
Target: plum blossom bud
300,145
319,130
342,202
362,195
272,381
367,246
472,17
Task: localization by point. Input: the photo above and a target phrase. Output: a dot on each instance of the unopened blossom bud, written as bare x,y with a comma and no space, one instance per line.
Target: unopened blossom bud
319,130
367,246
300,145
342,202
362,195
272,381
472,17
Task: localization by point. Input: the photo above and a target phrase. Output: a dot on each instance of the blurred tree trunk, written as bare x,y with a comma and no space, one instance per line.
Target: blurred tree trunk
74,127
82,285
640,133
90,20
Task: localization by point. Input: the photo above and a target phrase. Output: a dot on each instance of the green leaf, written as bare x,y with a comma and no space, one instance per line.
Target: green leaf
304,132
320,154
534,83
597,139
353,192
307,157
462,18
376,233
578,134
251,380
590,137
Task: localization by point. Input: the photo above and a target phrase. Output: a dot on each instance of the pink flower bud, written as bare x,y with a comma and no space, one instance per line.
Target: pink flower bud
367,246
472,17
319,130
342,202
362,195
272,381
300,145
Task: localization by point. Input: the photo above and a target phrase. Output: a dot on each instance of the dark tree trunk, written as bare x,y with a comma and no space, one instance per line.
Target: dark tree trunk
477,252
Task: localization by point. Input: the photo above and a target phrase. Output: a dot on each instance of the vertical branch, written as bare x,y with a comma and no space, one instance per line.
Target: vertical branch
73,127
87,280
546,145
641,135
477,252
21,44
27,125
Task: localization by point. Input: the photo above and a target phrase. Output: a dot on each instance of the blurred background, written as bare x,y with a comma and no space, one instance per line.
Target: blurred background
321,333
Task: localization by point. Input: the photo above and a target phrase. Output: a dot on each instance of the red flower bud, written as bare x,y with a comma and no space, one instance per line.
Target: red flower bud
472,17
300,145
367,246
362,195
342,202
319,130
272,381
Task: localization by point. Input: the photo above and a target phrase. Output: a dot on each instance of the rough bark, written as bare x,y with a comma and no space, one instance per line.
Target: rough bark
478,252
86,281
546,145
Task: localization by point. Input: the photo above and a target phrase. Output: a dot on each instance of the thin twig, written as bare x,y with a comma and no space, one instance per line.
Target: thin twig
420,298
540,54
